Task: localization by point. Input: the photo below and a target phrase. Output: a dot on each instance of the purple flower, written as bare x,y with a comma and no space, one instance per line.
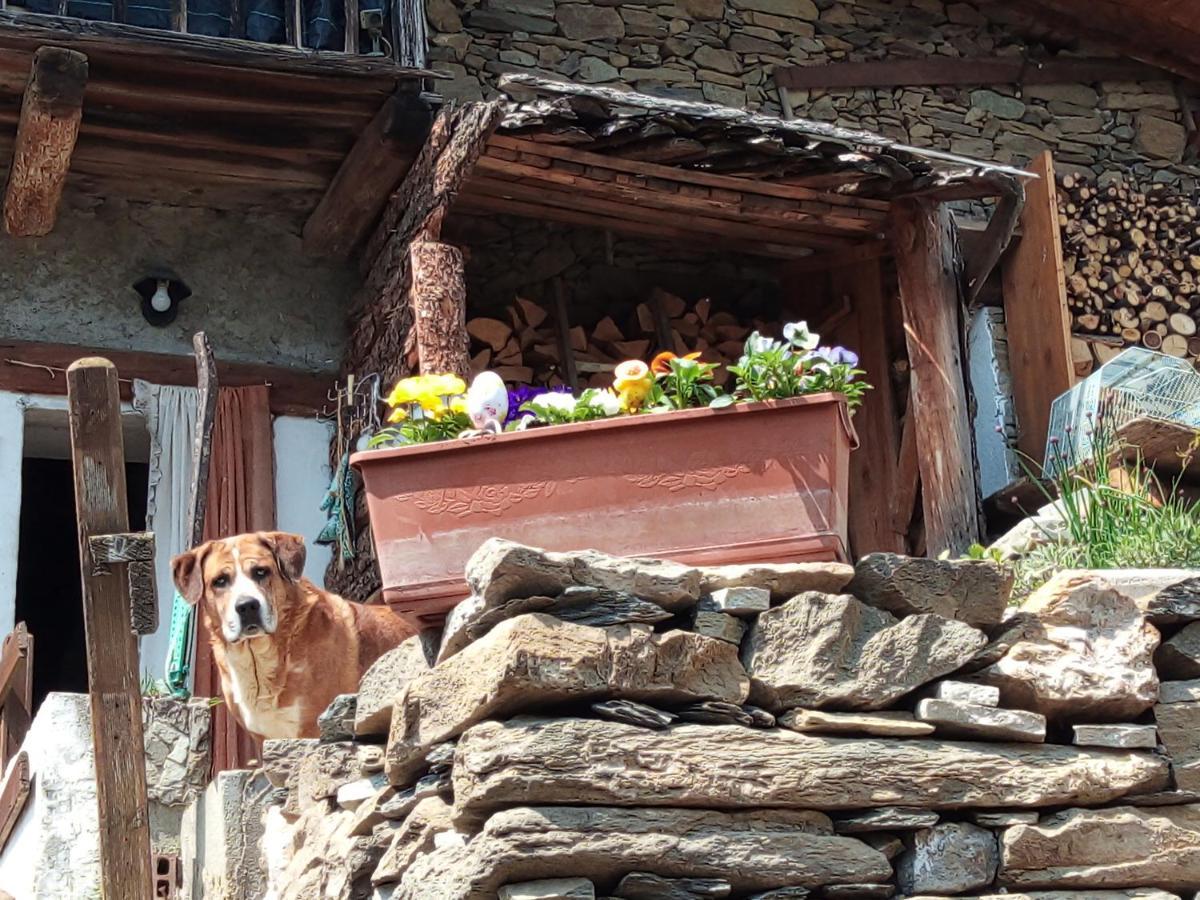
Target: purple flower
835,356
522,394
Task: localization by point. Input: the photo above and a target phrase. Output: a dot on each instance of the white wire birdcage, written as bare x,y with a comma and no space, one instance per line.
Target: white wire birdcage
1135,384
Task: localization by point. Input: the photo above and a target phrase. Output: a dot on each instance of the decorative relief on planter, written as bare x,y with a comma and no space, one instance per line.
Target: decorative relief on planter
708,479
486,499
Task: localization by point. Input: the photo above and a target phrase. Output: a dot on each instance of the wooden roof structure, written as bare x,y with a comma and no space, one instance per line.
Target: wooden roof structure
679,170
216,122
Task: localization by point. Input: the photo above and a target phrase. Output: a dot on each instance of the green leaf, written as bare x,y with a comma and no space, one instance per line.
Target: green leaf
722,401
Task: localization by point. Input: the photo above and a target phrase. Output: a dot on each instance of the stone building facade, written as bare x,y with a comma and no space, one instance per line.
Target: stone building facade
725,51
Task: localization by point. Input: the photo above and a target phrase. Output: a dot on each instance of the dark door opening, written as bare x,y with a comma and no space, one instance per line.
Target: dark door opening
49,594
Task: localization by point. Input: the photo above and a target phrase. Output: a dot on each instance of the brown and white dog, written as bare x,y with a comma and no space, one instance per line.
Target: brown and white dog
284,647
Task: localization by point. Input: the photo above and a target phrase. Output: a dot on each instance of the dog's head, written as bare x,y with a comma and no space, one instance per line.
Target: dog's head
244,582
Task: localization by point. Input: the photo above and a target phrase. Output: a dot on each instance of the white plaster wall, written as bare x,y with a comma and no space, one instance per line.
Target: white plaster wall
12,440
302,477
54,851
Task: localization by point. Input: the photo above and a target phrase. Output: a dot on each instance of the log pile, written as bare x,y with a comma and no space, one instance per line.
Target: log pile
639,729
530,344
1131,259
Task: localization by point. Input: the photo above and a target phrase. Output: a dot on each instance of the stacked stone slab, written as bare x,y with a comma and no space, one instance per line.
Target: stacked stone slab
890,729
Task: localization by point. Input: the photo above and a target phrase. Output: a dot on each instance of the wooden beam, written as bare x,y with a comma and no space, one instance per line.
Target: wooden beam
929,270
34,368
51,111
16,691
934,71
562,333
24,29
438,293
873,466
98,460
360,189
1037,320
206,403
417,207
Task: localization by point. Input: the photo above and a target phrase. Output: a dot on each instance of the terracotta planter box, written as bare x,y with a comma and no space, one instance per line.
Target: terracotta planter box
751,483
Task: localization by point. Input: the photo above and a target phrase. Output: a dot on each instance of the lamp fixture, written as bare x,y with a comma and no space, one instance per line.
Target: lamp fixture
161,296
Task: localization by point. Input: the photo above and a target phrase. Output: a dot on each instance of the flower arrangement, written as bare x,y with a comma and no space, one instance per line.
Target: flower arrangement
438,407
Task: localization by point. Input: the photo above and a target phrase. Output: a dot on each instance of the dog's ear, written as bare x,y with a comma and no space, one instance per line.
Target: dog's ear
188,571
289,552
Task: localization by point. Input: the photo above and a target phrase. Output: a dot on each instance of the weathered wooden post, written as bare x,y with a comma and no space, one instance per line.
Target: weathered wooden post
98,458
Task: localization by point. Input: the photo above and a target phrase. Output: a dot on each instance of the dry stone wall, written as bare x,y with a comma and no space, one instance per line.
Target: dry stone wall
768,732
725,51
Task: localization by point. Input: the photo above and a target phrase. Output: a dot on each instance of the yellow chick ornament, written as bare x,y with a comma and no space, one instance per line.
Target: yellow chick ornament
632,381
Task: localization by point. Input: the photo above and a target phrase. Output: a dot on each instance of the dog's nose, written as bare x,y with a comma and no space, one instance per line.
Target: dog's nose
248,609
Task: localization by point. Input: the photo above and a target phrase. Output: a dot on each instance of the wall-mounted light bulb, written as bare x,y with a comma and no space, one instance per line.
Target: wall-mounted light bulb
161,301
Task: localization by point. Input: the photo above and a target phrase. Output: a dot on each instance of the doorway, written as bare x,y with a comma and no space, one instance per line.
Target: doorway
49,592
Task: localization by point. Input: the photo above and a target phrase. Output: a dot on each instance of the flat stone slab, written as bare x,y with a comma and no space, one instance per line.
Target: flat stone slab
549,889
648,886
382,682
336,722
825,651
970,720
783,580
567,760
1166,596
1004,818
951,858
1179,691
971,591
891,723
1179,657
754,851
739,601
964,692
1118,736
886,818
858,891
1179,730
534,660
1105,848
632,713
719,625
282,756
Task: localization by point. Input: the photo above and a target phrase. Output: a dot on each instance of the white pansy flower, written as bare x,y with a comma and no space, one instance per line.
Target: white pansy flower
798,335
554,402
605,401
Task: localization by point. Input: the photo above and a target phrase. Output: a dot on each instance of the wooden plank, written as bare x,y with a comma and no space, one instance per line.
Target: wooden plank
408,18
1169,448
626,226
18,784
873,466
934,71
16,691
865,252
908,477
131,40
179,12
360,189
1037,320
206,403
790,216
352,29
114,691
686,176
51,111
928,269
33,368
546,196
438,293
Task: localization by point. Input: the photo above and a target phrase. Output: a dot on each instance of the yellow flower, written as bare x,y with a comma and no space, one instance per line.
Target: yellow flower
424,389
458,404
399,414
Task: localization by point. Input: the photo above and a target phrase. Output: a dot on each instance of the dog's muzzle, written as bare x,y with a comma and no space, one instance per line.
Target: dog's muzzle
249,612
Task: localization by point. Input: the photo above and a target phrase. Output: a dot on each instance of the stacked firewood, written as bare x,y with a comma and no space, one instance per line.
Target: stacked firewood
1132,264
528,345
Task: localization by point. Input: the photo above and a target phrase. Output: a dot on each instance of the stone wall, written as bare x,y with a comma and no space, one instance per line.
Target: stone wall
589,726
724,51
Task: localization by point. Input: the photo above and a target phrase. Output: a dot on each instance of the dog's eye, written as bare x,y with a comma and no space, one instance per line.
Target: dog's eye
221,581
258,573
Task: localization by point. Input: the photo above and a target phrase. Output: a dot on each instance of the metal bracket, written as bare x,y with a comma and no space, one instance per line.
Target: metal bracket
136,552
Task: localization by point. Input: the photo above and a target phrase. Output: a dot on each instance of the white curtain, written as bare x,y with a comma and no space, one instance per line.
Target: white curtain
171,415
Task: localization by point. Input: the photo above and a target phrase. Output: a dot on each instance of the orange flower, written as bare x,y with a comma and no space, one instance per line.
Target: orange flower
661,364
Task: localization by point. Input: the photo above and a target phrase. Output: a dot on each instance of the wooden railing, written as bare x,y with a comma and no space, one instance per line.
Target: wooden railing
16,712
387,29
16,691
